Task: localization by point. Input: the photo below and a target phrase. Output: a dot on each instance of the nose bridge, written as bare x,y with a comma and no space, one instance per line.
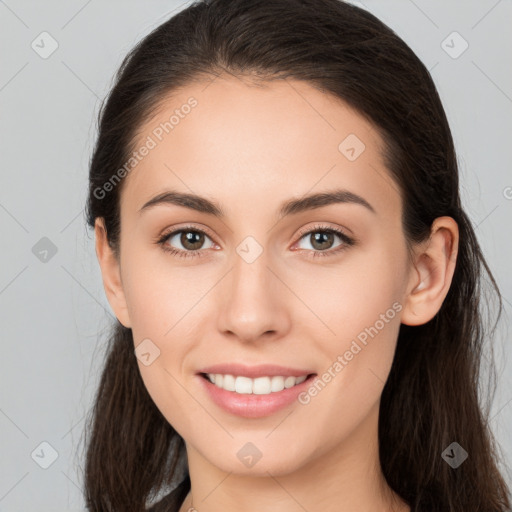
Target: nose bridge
250,276
251,303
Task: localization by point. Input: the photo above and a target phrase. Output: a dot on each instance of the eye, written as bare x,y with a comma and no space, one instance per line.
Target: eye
190,238
321,238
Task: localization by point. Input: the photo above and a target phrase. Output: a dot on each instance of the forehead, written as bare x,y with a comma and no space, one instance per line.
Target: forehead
239,142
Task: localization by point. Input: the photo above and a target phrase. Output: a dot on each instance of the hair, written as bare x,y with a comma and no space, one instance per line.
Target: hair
431,397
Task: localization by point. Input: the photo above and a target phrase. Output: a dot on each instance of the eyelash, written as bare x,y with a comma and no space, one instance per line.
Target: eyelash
347,241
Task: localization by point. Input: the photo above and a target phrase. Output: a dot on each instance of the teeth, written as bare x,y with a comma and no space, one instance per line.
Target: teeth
258,386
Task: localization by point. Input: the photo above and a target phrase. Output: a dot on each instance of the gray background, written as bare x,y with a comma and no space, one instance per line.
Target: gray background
53,311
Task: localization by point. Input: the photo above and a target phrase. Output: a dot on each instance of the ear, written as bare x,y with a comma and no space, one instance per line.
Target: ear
432,272
111,274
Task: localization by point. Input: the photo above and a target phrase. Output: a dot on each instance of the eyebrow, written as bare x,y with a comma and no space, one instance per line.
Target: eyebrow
289,207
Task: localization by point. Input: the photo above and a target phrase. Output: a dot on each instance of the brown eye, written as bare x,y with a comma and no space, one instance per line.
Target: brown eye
192,240
189,242
322,238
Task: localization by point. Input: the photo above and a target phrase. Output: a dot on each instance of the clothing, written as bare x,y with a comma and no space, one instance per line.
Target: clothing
174,500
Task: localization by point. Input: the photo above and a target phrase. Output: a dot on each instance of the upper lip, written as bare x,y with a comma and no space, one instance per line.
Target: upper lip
263,370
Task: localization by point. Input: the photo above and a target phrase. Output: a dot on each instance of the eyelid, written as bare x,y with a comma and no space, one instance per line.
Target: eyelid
167,232
319,226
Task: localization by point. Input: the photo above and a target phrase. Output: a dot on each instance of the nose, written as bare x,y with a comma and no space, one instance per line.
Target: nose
252,300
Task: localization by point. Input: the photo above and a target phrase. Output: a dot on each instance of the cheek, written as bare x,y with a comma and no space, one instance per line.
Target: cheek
357,313
164,303
158,292
364,326
350,295
357,358
167,388
161,308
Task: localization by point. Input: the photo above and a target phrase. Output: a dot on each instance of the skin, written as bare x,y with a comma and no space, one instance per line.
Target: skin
249,148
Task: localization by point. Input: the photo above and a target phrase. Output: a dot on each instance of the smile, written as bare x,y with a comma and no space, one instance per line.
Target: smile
253,398
257,386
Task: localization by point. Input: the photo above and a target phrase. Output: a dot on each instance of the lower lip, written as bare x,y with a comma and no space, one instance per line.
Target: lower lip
251,405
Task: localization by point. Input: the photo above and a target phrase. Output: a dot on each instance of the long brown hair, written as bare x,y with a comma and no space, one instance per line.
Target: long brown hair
432,396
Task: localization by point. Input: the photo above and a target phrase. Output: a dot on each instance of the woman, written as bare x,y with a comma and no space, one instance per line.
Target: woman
275,198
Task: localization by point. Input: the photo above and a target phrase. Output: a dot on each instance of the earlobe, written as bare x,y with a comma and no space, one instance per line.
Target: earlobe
432,273
111,274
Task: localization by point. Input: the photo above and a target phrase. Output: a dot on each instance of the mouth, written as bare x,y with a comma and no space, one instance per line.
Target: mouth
254,398
264,385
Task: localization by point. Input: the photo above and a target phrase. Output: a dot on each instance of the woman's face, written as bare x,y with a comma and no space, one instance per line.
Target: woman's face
266,285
